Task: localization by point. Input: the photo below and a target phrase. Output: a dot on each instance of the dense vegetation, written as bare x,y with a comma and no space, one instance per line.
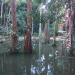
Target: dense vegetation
54,13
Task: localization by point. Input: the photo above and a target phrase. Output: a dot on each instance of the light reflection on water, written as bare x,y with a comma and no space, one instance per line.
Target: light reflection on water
41,63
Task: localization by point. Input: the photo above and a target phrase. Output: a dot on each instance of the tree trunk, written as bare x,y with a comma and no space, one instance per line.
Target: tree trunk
46,32
1,12
69,26
27,36
14,26
1,9
73,29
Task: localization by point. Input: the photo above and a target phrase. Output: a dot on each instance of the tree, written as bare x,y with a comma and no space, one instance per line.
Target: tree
70,24
14,26
72,4
27,36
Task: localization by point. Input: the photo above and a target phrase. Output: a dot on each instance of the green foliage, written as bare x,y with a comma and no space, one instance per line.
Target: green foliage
55,12
21,18
36,2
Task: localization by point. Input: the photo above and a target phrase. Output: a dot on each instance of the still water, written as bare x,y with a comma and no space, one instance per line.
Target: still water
45,60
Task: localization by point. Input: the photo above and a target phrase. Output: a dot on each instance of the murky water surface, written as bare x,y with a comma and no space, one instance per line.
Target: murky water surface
45,60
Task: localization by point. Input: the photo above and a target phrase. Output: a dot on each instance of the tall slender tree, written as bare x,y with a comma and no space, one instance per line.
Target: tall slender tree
14,26
1,12
73,27
70,14
27,36
46,32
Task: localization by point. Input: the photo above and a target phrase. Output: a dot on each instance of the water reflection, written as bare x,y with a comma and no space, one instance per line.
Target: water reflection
24,72
33,70
49,72
42,63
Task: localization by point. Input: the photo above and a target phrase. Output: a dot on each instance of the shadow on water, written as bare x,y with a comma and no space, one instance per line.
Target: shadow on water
44,61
